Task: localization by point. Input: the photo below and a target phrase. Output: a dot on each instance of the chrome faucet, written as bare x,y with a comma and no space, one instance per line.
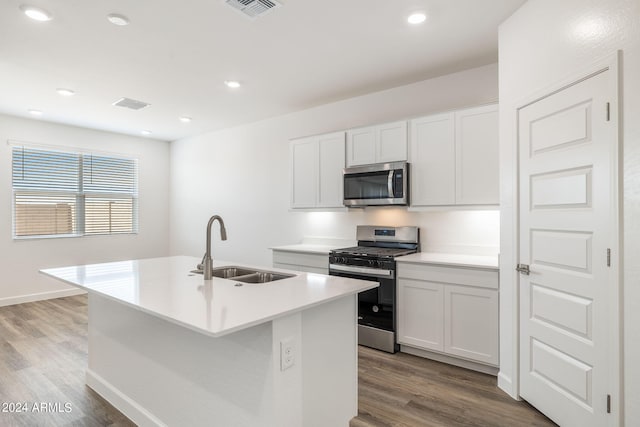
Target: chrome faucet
207,261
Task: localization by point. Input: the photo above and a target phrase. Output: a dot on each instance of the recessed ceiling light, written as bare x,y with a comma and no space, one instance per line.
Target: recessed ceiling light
146,132
185,119
417,18
233,84
36,13
117,19
65,92
35,112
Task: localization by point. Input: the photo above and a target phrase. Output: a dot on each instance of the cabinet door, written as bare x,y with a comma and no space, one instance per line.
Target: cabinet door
433,160
391,142
477,166
471,323
420,315
304,172
331,162
361,146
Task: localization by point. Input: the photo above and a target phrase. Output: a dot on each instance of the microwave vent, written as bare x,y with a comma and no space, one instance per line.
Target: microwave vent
253,8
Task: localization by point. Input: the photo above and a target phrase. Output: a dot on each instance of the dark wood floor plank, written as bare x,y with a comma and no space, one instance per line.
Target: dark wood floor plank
404,390
43,358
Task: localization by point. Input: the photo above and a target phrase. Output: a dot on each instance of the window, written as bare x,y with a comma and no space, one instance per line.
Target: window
59,193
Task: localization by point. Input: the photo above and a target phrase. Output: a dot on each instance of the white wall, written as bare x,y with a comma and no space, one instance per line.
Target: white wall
20,260
242,174
541,44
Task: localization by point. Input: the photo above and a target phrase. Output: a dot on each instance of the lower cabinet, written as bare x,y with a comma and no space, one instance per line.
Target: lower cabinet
450,310
301,261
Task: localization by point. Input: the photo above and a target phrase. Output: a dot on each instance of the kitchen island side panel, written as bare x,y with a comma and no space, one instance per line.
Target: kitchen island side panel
159,373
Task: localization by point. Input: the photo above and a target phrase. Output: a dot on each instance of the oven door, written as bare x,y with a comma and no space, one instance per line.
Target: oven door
376,307
381,184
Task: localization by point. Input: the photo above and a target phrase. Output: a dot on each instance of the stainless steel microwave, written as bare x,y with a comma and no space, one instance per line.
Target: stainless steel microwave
377,185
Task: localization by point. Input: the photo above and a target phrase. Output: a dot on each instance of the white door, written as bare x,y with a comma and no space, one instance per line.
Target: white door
568,150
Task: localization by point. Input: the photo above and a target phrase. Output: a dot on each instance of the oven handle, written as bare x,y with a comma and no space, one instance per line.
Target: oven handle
364,271
390,184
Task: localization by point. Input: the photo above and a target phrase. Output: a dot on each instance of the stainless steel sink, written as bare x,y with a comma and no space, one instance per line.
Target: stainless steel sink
229,272
246,275
262,277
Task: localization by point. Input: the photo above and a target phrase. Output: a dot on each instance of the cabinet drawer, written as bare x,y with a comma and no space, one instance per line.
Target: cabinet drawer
454,275
297,258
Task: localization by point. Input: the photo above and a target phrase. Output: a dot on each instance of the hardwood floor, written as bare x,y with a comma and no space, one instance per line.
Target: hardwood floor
409,391
43,356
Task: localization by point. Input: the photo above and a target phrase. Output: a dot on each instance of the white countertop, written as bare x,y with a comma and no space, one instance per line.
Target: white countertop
316,245
458,260
164,287
308,248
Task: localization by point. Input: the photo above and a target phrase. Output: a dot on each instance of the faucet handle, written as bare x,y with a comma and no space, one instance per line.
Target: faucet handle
201,265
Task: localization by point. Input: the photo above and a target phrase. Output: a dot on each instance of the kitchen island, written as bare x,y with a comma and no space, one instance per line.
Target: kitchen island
168,348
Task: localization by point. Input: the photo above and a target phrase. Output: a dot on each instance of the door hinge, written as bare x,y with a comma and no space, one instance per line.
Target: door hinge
523,268
608,403
608,257
608,111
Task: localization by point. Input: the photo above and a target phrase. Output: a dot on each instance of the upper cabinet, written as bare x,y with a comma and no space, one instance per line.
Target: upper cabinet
316,171
377,144
454,158
477,177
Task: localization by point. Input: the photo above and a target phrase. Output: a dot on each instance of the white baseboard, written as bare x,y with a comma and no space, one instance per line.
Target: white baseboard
129,407
451,360
505,384
21,299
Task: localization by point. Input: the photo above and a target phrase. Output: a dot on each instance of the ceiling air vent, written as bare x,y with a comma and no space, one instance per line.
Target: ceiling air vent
130,103
253,8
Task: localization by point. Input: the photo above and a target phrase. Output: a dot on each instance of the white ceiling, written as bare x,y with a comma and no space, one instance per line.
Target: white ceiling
176,55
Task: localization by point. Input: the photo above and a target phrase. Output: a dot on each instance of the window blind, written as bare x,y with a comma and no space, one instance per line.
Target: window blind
64,193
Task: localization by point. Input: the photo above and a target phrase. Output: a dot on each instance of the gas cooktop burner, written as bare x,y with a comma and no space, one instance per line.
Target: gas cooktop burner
373,251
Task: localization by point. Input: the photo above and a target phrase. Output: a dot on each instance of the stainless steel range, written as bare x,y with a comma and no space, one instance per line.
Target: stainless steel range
374,259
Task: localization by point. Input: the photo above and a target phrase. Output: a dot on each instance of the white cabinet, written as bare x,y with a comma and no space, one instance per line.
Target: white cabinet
454,158
477,168
301,261
420,321
449,310
316,171
304,173
377,144
433,159
471,323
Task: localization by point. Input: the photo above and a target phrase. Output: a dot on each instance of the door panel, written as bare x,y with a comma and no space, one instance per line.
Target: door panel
566,148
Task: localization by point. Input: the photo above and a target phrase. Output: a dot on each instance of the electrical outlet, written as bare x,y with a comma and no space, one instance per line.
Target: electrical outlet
287,353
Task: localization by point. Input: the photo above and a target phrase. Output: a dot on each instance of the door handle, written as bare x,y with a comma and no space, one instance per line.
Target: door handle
390,184
523,269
